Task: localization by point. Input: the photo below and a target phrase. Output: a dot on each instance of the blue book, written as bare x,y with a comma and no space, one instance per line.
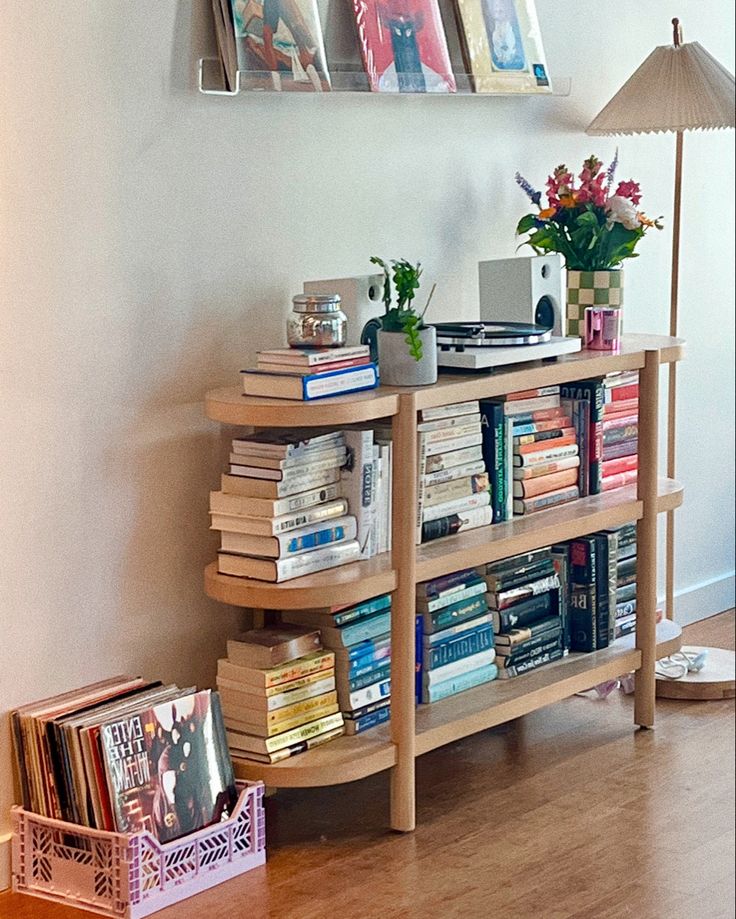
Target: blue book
368,663
375,675
419,659
463,645
362,610
460,683
358,725
312,386
357,632
367,648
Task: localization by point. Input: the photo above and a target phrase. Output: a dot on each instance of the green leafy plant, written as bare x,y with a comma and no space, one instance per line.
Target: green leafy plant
401,281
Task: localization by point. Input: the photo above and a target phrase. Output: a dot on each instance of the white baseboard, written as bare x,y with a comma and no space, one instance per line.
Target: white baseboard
5,860
699,601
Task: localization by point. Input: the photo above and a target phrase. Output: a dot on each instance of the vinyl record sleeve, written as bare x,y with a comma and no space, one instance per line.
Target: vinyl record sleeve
403,46
502,46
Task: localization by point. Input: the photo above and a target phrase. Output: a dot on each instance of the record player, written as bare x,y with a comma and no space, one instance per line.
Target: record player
484,345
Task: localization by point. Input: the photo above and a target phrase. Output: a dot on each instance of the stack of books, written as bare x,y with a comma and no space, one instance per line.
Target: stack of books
360,639
525,596
619,459
454,636
592,588
453,487
278,694
366,485
281,510
127,755
625,619
531,452
291,373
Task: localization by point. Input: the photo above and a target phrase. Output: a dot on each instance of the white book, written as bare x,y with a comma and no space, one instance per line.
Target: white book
284,545
443,424
464,471
450,433
455,489
459,506
234,499
467,626
465,664
453,445
277,570
357,484
273,526
523,406
312,357
378,517
302,461
359,698
452,458
264,488
542,457
287,444
238,466
432,604
385,506
449,411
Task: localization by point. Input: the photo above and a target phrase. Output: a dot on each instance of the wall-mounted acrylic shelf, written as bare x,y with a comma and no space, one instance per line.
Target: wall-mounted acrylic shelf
345,78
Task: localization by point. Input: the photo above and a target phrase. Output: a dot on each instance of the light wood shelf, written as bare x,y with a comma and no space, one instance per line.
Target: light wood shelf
349,758
412,732
363,580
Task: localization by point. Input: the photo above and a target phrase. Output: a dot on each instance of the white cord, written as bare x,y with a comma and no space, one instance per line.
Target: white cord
678,664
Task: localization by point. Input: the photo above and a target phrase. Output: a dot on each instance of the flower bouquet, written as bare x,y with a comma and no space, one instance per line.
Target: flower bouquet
593,225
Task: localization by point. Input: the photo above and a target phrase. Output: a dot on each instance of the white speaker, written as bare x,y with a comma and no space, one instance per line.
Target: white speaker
361,299
523,289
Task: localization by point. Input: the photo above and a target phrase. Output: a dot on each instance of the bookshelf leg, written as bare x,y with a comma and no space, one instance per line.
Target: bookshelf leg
646,534
404,498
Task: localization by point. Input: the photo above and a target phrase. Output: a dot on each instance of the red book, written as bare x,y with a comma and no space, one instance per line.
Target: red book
619,421
622,464
618,481
621,407
619,393
540,445
295,370
403,46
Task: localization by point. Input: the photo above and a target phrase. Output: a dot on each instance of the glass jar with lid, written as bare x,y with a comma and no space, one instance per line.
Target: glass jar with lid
316,321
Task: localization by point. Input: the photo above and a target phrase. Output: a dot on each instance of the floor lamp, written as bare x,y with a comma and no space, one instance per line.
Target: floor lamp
679,87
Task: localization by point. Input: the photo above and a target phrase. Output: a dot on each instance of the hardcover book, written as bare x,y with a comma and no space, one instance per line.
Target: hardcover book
263,649
168,768
403,46
283,37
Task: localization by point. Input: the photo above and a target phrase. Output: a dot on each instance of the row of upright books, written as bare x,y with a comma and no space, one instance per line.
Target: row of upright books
296,502
128,755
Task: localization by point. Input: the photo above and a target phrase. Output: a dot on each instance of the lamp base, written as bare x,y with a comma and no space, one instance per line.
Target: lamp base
714,681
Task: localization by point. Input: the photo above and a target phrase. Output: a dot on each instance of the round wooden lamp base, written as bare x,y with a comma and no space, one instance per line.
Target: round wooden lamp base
714,681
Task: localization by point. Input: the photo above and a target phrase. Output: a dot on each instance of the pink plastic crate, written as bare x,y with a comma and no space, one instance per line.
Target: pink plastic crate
129,876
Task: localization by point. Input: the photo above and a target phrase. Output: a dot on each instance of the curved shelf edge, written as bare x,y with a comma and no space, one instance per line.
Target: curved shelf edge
341,586
671,495
344,759
230,405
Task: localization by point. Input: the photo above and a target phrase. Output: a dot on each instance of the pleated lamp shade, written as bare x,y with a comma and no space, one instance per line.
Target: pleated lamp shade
677,88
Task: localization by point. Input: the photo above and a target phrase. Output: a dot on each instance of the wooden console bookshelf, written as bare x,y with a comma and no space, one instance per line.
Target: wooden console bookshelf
415,730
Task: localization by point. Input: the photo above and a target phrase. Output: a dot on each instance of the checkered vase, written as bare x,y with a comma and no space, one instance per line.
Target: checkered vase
591,288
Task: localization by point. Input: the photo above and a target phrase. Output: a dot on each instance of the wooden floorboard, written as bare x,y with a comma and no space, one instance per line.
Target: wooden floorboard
567,813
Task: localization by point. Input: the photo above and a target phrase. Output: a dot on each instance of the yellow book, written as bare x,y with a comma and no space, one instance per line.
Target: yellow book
241,740
282,719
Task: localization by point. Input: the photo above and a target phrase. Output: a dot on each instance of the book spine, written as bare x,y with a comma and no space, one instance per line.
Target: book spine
554,466
296,521
452,615
460,628
456,523
526,428
447,584
583,560
524,656
617,466
604,626
449,433
288,468
545,445
620,480
551,499
533,393
561,559
622,393
319,560
502,582
508,469
366,695
593,391
620,435
450,446
543,457
368,709
529,645
525,613
317,536
531,488
456,489
449,411
493,428
314,358
525,406
460,683
451,598
454,422
525,440
459,647
298,669
418,656
441,462
627,592
318,386
304,732
547,658
459,506
375,675
625,609
366,722
465,664
362,610
453,473
583,618
363,630
616,451
357,484
530,588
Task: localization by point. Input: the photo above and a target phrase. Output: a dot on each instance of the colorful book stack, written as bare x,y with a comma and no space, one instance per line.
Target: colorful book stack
525,597
454,640
291,373
531,452
620,460
360,639
453,487
278,694
281,510
625,618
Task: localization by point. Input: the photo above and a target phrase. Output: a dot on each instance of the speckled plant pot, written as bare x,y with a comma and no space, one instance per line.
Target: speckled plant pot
592,288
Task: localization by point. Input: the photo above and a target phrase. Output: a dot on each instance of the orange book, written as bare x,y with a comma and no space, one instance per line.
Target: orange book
545,445
533,393
544,483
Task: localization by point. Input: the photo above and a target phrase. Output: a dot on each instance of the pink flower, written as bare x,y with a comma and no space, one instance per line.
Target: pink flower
559,184
629,190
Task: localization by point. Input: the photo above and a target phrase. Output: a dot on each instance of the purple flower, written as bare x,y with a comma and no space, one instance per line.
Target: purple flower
534,196
611,171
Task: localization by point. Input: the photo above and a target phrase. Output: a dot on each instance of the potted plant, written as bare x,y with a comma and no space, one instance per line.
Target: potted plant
594,226
407,348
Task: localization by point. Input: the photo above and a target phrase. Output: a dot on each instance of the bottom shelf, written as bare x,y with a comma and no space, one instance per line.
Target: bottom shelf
349,758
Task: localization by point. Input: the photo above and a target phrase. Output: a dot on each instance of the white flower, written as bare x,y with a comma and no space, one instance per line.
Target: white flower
621,210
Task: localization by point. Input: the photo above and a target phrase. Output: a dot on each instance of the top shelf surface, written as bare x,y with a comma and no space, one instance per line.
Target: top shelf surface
230,406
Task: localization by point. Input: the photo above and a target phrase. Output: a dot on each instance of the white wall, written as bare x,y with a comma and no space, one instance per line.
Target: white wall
150,240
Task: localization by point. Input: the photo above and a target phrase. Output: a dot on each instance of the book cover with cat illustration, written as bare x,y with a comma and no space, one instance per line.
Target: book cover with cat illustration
403,46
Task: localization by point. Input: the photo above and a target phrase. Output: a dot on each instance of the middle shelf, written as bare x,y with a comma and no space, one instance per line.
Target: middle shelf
358,581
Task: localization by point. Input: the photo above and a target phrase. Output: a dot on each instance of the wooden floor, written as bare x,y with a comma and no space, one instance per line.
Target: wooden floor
567,813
